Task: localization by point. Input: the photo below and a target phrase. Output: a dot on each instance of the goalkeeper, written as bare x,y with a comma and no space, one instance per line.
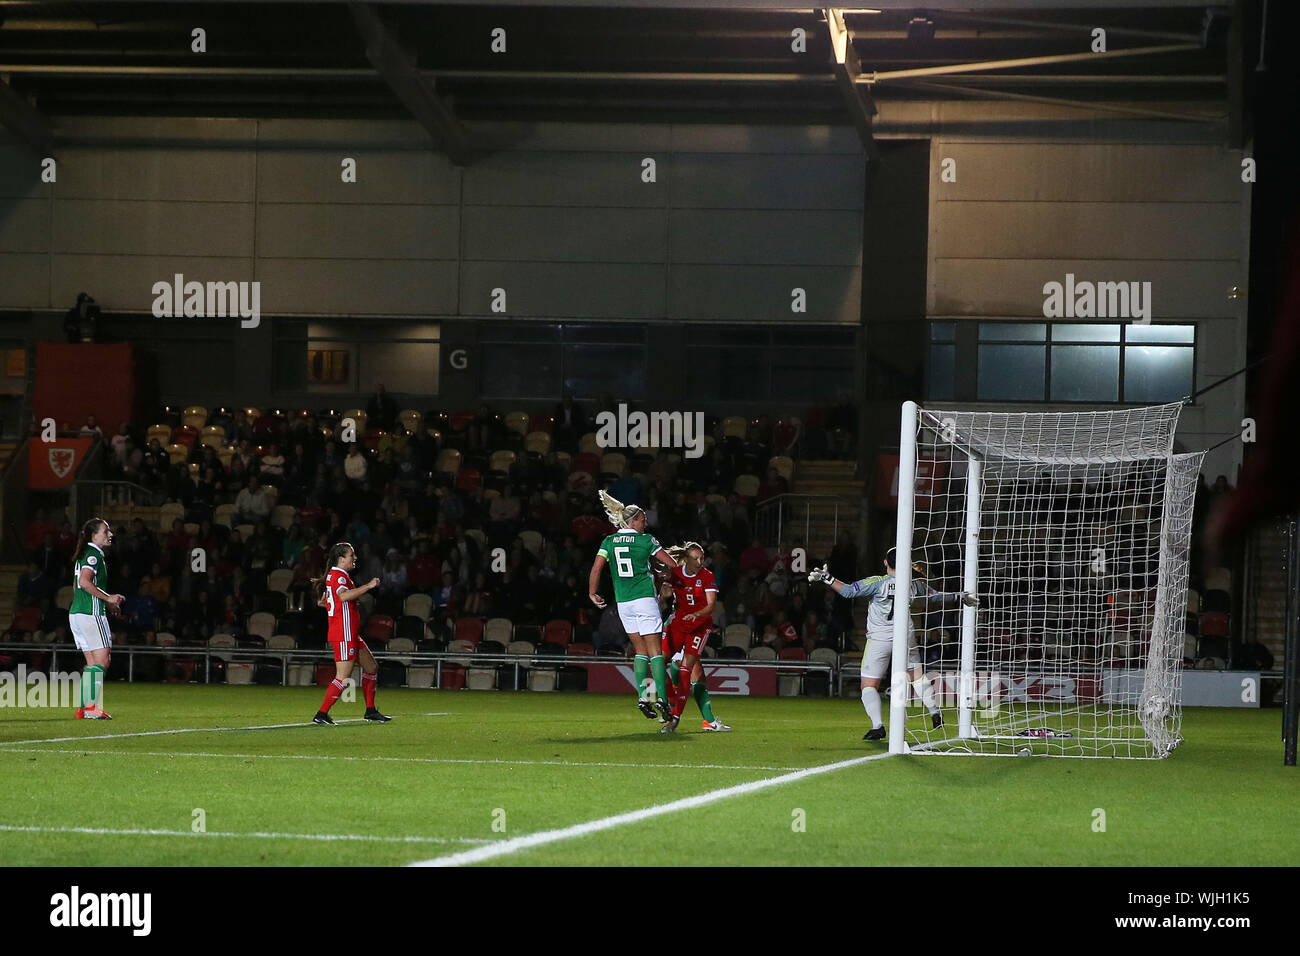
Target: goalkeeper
878,654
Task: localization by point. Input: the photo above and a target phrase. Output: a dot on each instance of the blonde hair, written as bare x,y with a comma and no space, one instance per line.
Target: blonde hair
618,513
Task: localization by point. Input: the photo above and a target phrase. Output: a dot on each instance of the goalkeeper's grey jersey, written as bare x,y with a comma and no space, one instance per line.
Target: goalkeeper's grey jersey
880,613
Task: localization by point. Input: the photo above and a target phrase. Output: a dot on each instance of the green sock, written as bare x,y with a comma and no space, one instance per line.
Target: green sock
90,678
674,673
640,670
701,691
660,673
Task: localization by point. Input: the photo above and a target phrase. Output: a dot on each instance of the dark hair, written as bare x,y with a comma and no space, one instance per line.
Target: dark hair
90,529
331,560
891,557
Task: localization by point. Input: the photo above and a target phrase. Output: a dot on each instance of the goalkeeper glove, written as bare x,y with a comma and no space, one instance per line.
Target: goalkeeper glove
970,599
821,574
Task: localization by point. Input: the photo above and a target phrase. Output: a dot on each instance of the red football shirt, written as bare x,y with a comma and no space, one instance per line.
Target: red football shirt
345,616
690,594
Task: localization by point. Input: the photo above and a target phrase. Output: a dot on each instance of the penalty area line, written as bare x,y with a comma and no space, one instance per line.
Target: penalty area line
183,730
106,831
515,844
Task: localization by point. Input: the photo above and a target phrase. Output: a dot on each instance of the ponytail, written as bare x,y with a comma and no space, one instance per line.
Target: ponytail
331,560
89,530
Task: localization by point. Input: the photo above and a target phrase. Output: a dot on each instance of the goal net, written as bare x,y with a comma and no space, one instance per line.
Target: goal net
1074,529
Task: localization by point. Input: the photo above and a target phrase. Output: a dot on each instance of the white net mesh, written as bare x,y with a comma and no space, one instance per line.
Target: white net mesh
1085,526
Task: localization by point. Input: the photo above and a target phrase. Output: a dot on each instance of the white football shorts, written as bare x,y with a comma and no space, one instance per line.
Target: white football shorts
641,616
90,631
878,655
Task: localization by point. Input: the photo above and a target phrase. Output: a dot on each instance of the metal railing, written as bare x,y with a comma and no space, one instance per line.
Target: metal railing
436,659
90,497
784,518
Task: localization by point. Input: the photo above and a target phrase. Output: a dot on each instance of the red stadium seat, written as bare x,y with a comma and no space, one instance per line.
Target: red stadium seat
469,629
1215,624
453,677
467,479
185,435
558,632
587,462
459,421
379,628
26,619
793,654
266,427
541,422
581,648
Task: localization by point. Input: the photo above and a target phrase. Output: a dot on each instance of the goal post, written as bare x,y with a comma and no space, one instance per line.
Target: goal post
1074,529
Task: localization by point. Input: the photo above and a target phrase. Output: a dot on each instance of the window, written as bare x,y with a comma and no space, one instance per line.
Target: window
1061,362
542,359
324,357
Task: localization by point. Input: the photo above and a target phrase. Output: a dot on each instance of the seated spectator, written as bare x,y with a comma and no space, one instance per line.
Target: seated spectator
67,540
394,579
91,429
272,470
118,443
503,515
156,584
785,437
814,632
252,504
446,597
355,466
381,410
423,570
772,486
260,547
780,634
478,602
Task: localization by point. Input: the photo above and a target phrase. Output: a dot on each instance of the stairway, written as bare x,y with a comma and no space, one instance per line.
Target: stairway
1268,588
9,575
825,498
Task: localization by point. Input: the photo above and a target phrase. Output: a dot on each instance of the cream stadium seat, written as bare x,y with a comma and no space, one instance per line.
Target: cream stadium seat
161,432
281,642
498,629
746,485
177,453
262,623
279,580
537,443
762,653
784,466
214,435
613,463
518,422
736,635
195,416
169,513
448,461
223,515
734,426
502,460
282,516
418,605
65,595
532,541
589,446
359,416
411,420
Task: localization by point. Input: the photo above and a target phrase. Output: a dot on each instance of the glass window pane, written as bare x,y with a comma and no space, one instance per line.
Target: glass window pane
591,370
1013,332
1011,373
814,336
604,333
943,331
519,332
506,375
1154,373
800,373
1069,332
940,374
729,374
1160,333
401,366
1085,373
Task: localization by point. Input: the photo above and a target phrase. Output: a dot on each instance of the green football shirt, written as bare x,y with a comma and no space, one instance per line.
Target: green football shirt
628,553
83,602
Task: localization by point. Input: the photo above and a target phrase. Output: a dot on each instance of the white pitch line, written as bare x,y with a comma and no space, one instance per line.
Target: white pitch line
182,730
104,831
515,844
452,760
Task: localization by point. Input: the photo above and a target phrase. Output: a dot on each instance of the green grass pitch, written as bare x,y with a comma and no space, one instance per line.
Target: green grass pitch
456,770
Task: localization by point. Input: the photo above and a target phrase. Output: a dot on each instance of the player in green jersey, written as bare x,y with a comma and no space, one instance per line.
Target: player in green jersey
629,553
88,615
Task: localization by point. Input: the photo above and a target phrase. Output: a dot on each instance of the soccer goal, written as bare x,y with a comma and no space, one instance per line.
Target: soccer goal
1074,529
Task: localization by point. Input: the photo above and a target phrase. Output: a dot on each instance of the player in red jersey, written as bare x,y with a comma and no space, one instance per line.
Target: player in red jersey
336,594
694,595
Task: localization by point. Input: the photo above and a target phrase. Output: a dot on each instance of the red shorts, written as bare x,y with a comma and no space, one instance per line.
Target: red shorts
347,650
686,636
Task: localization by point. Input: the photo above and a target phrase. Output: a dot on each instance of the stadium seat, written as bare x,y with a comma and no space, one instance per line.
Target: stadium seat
762,653
226,642
392,673
379,628
1215,624
359,416
731,652
478,538
558,632
587,462
453,676
533,541
418,605
64,596
734,426
581,649
213,435
240,672
1219,579
281,642
613,463
261,624
196,416
518,422
448,461
282,516
533,634
825,655
26,619
502,461
177,454
420,676
737,635
246,531
784,466
746,486
588,445
498,629
168,513
1193,601
164,639
401,645
542,679
470,630
467,479
185,436
279,580
161,432
411,420
410,627
537,443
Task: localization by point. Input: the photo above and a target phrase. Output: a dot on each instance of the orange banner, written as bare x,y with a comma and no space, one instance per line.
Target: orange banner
54,464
